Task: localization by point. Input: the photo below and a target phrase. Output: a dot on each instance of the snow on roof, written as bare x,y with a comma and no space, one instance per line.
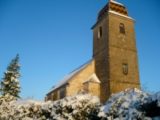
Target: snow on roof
110,11
116,2
70,75
93,78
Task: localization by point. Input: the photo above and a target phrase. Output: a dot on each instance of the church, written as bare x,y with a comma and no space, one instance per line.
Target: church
114,64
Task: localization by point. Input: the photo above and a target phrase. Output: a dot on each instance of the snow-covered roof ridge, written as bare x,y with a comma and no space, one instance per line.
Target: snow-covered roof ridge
93,78
113,1
116,13
70,75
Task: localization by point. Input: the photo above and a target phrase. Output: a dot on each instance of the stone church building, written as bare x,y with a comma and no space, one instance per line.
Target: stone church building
114,65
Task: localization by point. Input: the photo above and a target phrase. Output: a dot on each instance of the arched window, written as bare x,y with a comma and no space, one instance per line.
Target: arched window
125,68
121,28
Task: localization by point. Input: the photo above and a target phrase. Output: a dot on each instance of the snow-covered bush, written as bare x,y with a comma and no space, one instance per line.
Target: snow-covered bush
130,104
79,107
124,104
152,107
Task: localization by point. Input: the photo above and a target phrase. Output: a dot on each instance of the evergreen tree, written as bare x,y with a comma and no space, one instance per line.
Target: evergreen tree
10,84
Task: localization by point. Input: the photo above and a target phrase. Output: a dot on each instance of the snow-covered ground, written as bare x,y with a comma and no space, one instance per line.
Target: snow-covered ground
131,104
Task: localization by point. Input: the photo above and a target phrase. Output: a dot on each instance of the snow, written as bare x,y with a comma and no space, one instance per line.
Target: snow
125,105
93,78
116,2
128,105
125,102
70,108
10,85
69,76
156,97
116,13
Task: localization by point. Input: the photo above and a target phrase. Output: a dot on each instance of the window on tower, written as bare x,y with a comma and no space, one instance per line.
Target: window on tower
125,68
100,32
121,28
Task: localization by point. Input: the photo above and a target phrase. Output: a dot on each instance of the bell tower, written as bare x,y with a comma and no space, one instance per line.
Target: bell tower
114,50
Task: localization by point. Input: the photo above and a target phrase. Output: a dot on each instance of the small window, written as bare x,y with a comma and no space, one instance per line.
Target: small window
121,28
55,96
62,93
125,68
100,32
85,87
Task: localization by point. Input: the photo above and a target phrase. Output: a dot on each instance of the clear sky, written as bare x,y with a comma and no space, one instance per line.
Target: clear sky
53,37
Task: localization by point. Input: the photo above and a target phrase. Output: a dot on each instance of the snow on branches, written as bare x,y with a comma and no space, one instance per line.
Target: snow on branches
10,83
79,107
131,104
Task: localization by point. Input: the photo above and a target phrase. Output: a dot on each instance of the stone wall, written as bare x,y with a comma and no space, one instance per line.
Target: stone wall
122,50
114,50
76,83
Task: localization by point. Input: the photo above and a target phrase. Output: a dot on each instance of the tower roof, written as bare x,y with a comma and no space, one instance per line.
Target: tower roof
113,6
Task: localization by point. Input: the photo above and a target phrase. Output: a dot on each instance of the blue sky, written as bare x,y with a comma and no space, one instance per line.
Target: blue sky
53,37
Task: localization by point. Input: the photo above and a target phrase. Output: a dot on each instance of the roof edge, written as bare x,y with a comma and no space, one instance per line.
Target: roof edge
65,80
